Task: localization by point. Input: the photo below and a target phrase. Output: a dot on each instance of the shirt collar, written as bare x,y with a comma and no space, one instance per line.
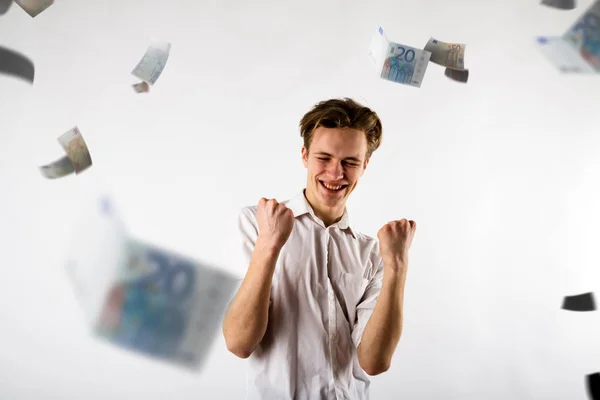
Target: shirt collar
300,206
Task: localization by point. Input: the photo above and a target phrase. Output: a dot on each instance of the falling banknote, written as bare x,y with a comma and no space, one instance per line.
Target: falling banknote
143,298
450,55
77,160
563,55
141,87
584,36
153,63
4,6
15,64
76,149
397,62
58,169
560,4
580,302
593,385
457,75
34,7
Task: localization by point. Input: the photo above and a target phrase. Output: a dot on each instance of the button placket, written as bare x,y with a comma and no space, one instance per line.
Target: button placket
332,315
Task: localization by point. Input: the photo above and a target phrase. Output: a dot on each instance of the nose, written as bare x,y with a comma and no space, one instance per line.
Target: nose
335,171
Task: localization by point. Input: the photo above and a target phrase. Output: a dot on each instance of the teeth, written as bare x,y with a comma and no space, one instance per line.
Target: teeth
331,187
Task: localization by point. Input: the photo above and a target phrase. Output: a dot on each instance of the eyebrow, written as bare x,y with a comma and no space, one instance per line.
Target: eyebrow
347,158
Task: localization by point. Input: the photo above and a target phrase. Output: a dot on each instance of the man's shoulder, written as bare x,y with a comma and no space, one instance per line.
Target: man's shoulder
246,218
367,245
249,210
363,237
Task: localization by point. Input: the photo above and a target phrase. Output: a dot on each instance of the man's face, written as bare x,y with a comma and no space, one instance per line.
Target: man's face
337,158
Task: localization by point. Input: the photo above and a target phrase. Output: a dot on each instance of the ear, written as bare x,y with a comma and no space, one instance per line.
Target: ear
304,157
365,166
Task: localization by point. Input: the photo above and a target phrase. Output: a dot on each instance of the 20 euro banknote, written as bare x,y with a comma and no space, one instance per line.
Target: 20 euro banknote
153,62
143,298
165,305
397,62
563,55
584,36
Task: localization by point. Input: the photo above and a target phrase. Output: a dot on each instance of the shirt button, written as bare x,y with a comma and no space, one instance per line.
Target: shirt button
333,337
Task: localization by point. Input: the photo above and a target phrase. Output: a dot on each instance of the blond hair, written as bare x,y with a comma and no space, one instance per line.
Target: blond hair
342,113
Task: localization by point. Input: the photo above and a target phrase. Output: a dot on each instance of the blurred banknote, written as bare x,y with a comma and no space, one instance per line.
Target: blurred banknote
141,87
580,302
450,55
153,63
76,149
34,7
457,75
560,4
563,55
164,305
97,247
58,169
584,36
15,64
155,302
78,156
4,6
593,385
397,62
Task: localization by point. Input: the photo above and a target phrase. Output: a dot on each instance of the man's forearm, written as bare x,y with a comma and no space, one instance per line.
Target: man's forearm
247,316
384,328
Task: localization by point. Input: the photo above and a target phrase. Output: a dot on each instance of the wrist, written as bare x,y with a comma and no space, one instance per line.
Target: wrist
268,247
395,267
395,278
395,262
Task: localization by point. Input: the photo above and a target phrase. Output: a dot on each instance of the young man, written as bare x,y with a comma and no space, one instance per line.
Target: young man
320,306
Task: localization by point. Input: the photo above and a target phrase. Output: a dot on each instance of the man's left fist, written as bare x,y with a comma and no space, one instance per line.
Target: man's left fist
395,239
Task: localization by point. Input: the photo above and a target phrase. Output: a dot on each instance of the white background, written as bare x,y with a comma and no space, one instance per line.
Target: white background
501,174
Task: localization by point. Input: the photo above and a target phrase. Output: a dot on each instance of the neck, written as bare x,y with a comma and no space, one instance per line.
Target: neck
328,215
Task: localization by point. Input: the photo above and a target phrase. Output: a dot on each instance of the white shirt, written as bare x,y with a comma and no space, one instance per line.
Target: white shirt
324,289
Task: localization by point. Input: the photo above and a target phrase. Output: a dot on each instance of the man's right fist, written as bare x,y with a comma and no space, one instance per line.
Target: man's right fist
275,222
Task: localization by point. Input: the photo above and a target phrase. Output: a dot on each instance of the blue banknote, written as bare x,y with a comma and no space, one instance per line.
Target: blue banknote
144,298
584,36
165,305
563,55
153,62
397,62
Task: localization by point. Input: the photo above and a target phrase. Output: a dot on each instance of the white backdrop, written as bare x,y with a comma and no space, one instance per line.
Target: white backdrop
501,175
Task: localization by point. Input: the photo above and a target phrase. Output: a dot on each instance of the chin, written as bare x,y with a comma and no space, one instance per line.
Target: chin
332,198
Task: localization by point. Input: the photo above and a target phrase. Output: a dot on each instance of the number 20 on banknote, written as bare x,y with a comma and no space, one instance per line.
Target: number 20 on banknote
150,311
405,64
397,62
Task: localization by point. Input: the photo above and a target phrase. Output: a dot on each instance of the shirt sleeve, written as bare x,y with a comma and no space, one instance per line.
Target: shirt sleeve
248,230
367,304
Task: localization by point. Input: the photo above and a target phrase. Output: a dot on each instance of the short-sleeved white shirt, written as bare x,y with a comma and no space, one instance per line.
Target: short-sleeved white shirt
324,289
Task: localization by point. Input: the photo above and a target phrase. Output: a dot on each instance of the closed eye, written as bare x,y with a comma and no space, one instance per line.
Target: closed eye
351,164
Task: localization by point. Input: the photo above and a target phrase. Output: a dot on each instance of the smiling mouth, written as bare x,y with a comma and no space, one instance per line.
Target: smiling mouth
333,189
